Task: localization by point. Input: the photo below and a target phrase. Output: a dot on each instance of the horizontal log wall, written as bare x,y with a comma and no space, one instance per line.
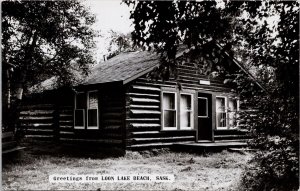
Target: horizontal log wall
46,122
112,114
189,76
66,117
143,114
37,121
54,122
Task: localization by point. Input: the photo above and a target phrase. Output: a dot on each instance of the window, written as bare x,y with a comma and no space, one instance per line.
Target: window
186,111
169,110
92,110
177,111
202,107
86,110
232,113
79,114
221,112
226,110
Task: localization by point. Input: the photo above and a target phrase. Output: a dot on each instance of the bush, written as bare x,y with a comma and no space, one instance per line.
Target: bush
275,134
275,170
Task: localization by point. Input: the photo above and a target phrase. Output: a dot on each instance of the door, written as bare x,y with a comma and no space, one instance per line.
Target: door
205,117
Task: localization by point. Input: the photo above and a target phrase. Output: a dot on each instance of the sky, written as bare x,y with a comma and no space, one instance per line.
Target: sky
110,15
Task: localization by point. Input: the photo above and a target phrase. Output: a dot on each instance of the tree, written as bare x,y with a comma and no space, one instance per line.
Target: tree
275,124
41,39
242,28
119,43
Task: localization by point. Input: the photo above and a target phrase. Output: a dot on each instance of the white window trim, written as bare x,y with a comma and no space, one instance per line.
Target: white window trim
192,112
163,111
205,98
87,107
226,114
79,127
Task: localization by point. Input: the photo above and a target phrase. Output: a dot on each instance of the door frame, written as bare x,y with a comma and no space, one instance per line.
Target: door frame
211,102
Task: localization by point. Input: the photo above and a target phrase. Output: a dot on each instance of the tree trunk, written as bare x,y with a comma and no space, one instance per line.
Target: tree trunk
6,94
14,111
16,99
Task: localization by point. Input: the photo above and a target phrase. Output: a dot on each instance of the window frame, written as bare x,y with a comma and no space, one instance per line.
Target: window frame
163,112
83,109
234,112
177,93
192,111
87,111
225,111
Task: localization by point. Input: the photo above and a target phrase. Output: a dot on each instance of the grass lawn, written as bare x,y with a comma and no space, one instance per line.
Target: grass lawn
31,169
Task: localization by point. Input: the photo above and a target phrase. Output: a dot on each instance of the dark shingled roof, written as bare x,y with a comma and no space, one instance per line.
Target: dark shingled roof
123,67
128,66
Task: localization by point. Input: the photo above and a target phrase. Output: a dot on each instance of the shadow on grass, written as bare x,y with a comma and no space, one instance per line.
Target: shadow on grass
39,149
36,150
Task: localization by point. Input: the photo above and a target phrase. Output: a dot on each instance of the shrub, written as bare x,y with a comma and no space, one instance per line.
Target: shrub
275,170
274,127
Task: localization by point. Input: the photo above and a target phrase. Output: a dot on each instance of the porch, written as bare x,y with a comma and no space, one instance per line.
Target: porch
209,146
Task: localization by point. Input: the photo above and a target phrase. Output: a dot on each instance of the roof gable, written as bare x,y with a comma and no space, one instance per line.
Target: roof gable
128,66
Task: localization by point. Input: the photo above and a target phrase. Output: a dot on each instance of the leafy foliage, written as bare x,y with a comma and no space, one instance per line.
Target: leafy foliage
274,124
42,39
270,50
46,38
119,43
273,170
164,25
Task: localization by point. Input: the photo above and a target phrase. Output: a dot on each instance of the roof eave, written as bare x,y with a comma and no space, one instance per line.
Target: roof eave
242,68
126,81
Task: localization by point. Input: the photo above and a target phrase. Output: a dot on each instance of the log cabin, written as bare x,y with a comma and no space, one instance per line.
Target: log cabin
120,104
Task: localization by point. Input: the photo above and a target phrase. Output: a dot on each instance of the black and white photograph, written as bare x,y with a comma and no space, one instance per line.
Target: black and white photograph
150,95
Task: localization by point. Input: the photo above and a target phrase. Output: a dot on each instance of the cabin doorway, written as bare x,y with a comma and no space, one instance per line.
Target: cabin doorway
205,117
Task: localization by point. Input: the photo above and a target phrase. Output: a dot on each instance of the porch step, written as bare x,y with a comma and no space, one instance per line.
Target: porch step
230,132
204,141
154,145
226,144
209,146
163,139
230,137
232,140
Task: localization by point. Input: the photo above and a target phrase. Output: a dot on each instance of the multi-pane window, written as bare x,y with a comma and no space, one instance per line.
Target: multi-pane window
232,113
169,110
86,110
92,110
186,111
177,111
226,111
221,112
79,114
